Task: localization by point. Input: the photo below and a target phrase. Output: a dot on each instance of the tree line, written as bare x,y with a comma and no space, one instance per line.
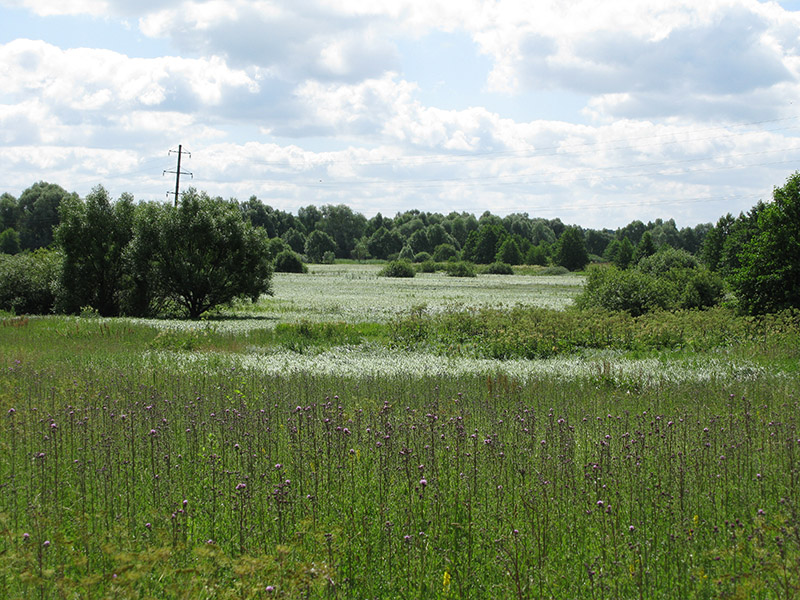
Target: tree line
136,263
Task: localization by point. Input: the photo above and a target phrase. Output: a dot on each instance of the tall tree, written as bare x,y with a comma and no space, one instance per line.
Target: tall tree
571,250
768,278
93,235
202,254
38,213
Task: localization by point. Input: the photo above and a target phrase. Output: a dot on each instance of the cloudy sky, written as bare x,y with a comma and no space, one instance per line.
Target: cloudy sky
595,112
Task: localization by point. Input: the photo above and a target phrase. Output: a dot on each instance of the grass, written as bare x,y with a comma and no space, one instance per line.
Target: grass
278,455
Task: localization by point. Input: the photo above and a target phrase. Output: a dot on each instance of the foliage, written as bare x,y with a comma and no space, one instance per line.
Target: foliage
329,257
500,268
38,214
620,253
421,257
93,235
629,291
644,248
666,259
295,239
9,241
571,250
768,279
317,244
382,243
407,253
428,266
461,268
660,282
289,261
537,255
28,281
444,252
201,254
398,268
509,253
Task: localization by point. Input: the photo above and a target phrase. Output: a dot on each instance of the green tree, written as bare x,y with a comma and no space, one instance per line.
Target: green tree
93,235
620,253
768,279
8,212
644,248
9,241
344,226
482,245
203,254
537,255
38,214
571,250
295,239
317,244
383,242
509,253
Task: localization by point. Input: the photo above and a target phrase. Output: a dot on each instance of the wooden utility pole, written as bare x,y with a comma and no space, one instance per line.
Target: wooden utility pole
178,171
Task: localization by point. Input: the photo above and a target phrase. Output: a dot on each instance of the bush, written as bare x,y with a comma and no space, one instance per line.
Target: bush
28,281
665,260
427,267
630,291
398,268
288,261
554,271
421,257
500,268
637,292
462,268
328,258
444,252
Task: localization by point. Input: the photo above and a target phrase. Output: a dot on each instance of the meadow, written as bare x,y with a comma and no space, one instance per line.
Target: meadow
362,437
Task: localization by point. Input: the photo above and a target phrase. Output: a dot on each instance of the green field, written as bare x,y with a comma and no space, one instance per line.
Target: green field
364,437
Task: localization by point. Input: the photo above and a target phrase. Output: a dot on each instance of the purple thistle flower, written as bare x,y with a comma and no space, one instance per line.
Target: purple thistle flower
423,482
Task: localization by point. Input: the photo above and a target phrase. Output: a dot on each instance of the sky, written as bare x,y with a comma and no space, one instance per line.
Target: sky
598,113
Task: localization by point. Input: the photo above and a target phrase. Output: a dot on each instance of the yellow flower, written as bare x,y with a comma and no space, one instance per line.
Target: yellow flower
446,580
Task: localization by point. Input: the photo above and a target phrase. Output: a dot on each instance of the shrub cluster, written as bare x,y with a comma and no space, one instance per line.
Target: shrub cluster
29,281
461,268
398,268
667,280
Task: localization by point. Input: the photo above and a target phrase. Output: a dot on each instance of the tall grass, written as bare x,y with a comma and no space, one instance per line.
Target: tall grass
128,481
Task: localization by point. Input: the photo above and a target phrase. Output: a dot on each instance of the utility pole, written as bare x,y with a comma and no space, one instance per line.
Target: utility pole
178,172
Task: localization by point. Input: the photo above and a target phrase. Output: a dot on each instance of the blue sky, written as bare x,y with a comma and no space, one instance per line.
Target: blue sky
597,113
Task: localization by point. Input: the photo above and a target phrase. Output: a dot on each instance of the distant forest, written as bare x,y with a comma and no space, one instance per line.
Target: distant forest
28,223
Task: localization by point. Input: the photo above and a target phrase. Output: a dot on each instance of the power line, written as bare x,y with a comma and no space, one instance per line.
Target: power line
178,171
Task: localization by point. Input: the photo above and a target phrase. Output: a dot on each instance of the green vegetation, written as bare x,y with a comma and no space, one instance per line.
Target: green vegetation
398,268
650,456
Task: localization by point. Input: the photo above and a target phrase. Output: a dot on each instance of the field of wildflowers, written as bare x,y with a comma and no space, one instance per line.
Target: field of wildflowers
143,461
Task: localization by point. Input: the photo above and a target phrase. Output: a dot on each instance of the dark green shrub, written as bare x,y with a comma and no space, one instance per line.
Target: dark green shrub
28,281
398,268
421,257
427,267
537,255
444,252
288,261
665,260
624,290
500,268
702,289
328,258
461,268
